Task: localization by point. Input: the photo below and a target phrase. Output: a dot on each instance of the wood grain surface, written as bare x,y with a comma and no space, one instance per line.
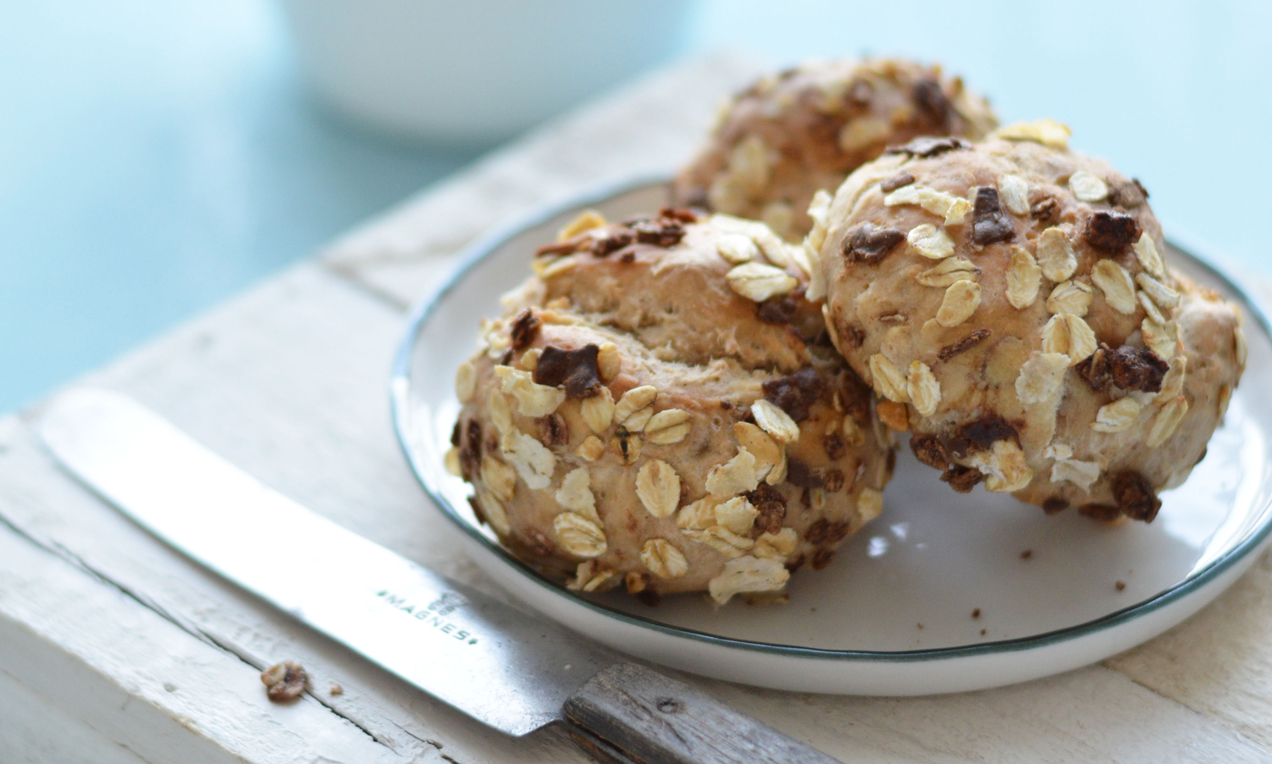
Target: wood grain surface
108,639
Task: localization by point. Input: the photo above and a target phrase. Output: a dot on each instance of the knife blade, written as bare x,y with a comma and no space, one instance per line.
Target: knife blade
501,666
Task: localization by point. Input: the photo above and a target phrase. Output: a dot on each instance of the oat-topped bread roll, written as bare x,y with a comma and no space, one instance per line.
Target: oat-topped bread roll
1010,301
661,407
789,135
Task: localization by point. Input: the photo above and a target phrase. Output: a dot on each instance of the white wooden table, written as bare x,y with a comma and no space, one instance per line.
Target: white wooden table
114,649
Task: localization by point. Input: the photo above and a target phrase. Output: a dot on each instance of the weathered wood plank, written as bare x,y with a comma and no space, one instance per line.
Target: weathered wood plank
650,127
144,684
36,731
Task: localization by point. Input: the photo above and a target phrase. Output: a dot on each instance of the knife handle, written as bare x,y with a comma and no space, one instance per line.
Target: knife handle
630,714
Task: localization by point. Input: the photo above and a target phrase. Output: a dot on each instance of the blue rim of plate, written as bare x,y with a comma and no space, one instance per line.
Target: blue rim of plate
480,249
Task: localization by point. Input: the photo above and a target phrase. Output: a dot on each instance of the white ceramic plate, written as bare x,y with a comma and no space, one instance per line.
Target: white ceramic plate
894,613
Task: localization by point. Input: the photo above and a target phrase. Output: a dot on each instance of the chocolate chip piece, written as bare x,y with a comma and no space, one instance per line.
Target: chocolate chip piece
477,512
822,558
576,369
800,474
929,450
1100,512
927,146
981,434
1135,368
678,214
649,597
834,480
663,233
779,310
852,335
931,100
456,433
953,349
1053,505
1094,370
835,445
771,506
962,479
899,180
615,240
990,223
506,358
1111,231
525,327
1135,496
566,247
796,393
1128,195
824,531
795,564
870,243
553,431
470,451
1045,211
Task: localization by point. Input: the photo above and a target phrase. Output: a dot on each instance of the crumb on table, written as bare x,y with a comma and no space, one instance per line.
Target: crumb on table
285,681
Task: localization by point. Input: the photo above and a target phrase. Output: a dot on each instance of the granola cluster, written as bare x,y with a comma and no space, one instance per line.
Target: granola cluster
1009,304
660,407
805,129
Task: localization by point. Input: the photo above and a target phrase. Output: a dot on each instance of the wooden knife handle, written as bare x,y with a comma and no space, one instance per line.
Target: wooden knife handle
628,713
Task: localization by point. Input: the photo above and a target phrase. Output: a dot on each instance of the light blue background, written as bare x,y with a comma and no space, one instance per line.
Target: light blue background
158,156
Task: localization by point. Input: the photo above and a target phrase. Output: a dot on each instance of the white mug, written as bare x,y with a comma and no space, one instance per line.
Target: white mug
475,72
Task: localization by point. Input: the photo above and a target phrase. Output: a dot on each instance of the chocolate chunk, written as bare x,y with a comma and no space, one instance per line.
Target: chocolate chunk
870,243
796,563
1094,370
1111,231
825,532
929,450
470,451
525,327
1135,496
678,214
953,349
566,247
771,506
1055,504
663,233
981,434
456,434
553,431
800,474
931,100
576,369
899,180
1135,368
505,358
990,223
834,480
1045,211
962,479
852,335
822,558
616,239
891,462
927,146
1100,512
477,511
778,310
796,393
1128,195
835,445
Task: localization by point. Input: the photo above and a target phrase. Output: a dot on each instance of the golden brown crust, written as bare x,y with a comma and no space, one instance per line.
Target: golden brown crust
1023,314
789,135
643,415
